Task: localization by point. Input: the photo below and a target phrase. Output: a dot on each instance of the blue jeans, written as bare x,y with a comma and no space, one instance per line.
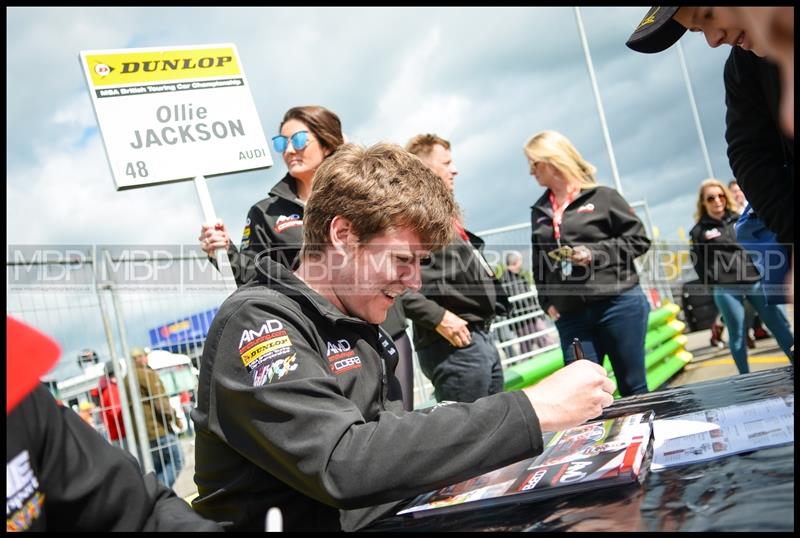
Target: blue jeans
615,327
167,458
730,302
463,374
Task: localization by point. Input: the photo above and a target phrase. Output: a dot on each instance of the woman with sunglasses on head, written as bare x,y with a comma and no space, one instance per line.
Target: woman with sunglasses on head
308,135
585,239
724,265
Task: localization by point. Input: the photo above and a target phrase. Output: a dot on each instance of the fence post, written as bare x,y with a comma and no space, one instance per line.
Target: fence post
133,385
130,443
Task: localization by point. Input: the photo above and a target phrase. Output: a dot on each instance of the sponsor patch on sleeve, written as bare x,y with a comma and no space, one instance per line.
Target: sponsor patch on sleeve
267,352
246,234
341,357
274,370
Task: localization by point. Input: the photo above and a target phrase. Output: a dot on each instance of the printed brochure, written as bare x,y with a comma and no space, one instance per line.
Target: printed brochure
595,455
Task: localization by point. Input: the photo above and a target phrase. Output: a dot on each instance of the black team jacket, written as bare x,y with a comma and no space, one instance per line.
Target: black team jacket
600,219
716,255
459,279
64,476
298,407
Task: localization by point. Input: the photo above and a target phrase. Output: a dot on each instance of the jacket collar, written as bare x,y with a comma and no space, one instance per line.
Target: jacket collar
286,188
708,220
543,203
281,279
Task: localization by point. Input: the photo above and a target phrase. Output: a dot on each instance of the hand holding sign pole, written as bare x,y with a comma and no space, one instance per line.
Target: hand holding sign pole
221,255
175,114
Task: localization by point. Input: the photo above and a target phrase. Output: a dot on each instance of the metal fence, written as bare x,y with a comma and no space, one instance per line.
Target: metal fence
107,299
99,303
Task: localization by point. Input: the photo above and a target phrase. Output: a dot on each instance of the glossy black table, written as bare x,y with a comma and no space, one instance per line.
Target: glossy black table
753,491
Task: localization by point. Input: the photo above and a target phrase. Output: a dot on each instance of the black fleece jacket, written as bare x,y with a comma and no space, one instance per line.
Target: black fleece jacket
716,255
761,158
601,220
298,407
459,279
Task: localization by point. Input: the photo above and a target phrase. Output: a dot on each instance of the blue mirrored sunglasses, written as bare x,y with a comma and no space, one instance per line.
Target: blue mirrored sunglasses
299,141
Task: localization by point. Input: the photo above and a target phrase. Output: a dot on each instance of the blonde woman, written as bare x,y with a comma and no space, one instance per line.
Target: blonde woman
724,265
585,239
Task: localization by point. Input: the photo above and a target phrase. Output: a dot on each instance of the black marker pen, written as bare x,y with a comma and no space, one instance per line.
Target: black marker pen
577,349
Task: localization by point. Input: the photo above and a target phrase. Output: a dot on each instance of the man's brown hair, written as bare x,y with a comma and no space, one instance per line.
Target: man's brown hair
422,144
378,188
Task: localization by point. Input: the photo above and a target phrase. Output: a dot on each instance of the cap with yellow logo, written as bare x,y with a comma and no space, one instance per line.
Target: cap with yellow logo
658,31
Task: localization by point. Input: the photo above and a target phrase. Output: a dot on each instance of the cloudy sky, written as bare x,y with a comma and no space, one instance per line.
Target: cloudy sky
484,78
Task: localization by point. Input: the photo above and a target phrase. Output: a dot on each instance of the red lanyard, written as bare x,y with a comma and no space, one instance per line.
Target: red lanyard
460,230
558,212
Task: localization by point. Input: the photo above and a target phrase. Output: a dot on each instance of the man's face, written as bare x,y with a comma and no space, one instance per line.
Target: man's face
377,271
772,29
140,359
718,27
441,162
738,195
766,31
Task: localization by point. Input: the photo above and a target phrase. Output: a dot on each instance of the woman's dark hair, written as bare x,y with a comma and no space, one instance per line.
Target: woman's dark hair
324,124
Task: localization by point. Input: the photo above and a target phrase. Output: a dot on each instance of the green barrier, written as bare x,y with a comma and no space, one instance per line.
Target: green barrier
653,338
670,347
528,372
653,361
512,381
661,368
667,368
662,341
659,317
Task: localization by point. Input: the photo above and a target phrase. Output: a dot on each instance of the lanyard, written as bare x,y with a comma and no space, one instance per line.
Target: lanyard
460,229
558,213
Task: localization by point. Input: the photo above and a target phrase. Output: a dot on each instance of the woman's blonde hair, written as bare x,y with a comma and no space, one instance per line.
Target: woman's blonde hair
554,148
700,212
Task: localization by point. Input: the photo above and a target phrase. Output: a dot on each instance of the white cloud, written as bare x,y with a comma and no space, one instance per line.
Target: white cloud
77,113
408,106
68,197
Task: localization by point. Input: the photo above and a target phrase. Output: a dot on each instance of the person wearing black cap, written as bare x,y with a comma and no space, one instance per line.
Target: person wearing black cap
761,157
61,475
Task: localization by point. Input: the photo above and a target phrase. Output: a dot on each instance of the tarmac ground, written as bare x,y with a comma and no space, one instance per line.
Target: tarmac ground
710,362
